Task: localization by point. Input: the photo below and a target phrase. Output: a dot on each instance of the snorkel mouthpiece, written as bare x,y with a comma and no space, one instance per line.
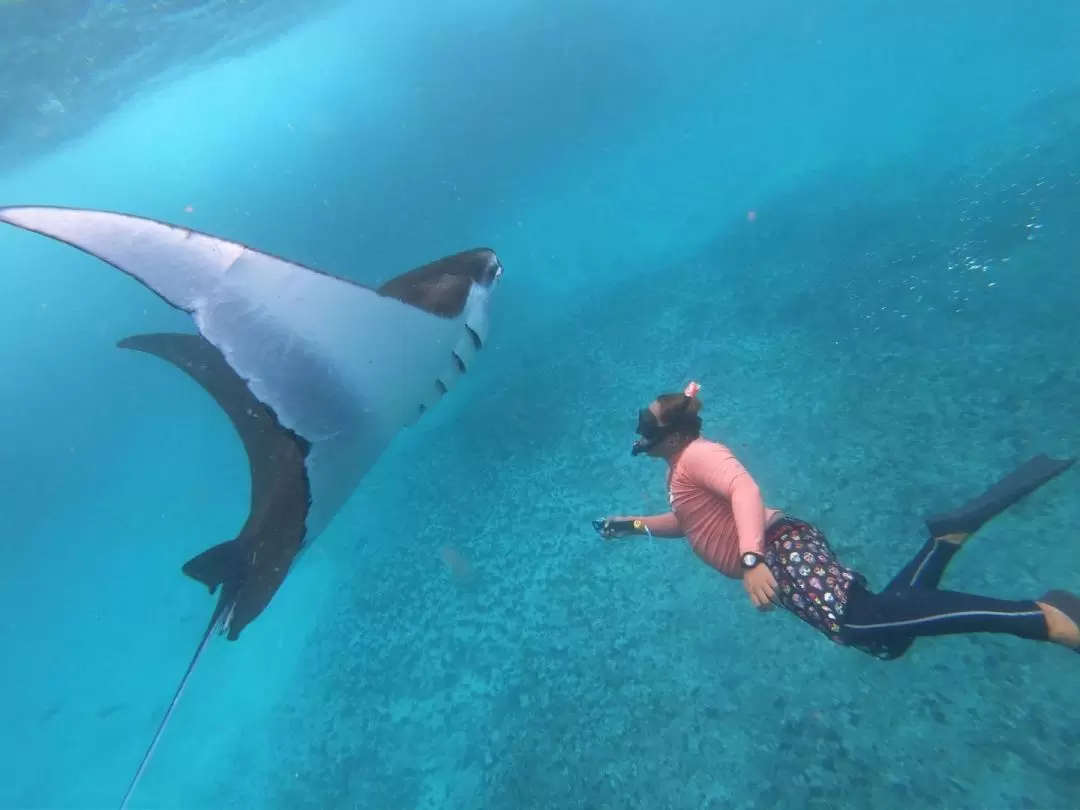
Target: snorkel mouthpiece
648,441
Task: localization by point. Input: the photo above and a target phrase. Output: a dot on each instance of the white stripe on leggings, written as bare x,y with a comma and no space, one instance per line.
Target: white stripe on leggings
961,614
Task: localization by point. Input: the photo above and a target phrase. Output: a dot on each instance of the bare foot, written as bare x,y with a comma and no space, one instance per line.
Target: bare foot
1062,629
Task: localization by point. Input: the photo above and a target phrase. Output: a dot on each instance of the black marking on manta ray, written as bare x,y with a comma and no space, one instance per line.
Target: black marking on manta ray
477,343
188,234
441,386
459,361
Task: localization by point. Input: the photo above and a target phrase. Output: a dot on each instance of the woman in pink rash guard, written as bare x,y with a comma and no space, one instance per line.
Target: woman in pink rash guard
718,507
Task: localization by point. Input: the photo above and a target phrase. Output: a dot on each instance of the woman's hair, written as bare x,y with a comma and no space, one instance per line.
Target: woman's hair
681,411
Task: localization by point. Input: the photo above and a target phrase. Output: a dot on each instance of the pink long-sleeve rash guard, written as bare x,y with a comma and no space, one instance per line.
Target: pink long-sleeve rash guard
716,504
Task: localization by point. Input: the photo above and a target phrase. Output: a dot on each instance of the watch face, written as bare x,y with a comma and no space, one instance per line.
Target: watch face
749,559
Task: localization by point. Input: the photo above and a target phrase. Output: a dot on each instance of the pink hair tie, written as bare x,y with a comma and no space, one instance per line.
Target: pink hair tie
692,389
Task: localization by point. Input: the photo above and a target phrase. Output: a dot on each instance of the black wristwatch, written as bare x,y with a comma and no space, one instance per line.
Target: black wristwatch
751,559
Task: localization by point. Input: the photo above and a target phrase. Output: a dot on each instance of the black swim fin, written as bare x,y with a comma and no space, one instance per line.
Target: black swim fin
1022,481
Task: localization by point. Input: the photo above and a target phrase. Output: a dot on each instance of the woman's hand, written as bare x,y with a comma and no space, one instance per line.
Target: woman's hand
615,527
761,585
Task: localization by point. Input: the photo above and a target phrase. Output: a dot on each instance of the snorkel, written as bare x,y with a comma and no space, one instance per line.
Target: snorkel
653,433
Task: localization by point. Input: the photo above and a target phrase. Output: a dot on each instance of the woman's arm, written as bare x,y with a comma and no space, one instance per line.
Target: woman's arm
664,525
656,525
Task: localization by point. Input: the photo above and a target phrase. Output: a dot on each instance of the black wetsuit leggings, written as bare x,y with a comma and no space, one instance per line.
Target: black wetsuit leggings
834,599
886,624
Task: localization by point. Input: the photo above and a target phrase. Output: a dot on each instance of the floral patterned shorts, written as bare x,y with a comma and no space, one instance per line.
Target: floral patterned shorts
811,583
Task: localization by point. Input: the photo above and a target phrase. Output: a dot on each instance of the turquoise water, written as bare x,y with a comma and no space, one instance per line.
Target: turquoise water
892,329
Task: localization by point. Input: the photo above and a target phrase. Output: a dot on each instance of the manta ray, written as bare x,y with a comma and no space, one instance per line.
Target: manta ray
317,374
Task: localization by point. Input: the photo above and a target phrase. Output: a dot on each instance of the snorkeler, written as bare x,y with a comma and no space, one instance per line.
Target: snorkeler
718,507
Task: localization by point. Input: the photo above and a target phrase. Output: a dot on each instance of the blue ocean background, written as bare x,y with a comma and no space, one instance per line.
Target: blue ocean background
854,223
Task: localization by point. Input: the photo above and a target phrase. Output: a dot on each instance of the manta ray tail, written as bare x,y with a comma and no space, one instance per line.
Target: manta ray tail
278,482
215,621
